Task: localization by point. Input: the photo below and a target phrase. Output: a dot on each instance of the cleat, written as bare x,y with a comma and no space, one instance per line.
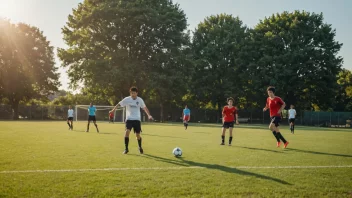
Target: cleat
125,151
285,145
87,131
222,143
278,144
140,150
97,130
230,144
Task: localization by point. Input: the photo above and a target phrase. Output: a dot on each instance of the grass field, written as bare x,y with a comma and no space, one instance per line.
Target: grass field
45,159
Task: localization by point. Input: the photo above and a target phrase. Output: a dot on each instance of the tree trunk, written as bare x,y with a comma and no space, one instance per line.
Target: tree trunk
161,112
14,106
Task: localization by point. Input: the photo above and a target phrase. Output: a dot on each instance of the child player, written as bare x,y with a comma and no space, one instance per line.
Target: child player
276,105
186,116
229,117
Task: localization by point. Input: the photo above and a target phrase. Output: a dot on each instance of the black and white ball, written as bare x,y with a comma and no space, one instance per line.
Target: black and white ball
177,152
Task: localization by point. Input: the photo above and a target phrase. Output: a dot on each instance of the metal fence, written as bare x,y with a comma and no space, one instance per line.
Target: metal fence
173,114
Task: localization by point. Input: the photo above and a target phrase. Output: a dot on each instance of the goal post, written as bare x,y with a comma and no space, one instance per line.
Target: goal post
102,113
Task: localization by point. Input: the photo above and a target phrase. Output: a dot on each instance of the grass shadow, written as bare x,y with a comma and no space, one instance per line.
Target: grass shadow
145,134
259,149
183,162
318,153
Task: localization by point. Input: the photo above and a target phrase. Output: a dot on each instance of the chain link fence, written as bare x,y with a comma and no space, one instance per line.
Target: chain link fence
173,114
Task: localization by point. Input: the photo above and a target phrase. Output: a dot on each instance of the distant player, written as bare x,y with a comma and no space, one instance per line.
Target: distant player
111,117
91,111
291,118
276,105
133,104
70,118
186,116
229,117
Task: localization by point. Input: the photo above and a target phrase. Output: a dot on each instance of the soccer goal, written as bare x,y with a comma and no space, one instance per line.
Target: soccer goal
102,113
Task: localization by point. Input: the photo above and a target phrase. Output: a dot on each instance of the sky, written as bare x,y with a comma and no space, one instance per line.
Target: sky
51,15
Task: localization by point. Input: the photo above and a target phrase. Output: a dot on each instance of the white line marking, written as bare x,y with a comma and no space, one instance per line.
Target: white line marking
168,168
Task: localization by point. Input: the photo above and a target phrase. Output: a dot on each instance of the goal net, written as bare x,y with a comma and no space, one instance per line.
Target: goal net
102,113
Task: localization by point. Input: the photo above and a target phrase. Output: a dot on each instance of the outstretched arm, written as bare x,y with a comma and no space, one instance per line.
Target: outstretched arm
117,106
146,110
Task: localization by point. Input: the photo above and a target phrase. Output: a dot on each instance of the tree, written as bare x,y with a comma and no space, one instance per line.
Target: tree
344,95
297,53
216,44
27,67
116,44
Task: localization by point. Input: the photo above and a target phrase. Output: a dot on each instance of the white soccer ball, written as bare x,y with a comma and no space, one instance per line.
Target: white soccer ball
177,152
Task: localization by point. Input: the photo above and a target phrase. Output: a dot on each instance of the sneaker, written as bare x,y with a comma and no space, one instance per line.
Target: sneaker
140,150
278,144
229,144
125,151
222,143
87,131
285,145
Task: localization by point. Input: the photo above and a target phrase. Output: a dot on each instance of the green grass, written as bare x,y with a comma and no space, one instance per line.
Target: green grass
220,171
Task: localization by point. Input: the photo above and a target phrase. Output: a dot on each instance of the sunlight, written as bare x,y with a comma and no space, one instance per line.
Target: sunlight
8,9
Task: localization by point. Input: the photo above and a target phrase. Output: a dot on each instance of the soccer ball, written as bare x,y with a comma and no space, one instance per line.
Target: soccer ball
177,152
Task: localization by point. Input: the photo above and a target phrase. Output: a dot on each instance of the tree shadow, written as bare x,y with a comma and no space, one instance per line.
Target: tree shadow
259,149
318,153
183,162
144,134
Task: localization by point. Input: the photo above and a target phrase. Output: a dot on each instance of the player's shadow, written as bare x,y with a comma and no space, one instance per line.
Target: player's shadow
144,134
259,149
182,162
318,153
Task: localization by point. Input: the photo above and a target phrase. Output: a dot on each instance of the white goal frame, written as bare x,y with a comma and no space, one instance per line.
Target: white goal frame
101,106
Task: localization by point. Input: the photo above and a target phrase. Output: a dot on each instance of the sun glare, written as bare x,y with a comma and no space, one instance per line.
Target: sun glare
8,9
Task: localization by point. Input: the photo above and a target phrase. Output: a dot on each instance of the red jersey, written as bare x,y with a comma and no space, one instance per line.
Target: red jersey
274,105
111,115
229,113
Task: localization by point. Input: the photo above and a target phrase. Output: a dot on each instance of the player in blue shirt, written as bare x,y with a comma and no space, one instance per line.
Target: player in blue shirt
186,115
91,116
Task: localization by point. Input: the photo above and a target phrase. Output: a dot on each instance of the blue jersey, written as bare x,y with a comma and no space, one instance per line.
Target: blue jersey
92,110
186,112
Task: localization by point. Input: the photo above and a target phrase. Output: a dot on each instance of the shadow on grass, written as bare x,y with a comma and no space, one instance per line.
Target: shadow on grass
318,153
145,134
184,162
259,149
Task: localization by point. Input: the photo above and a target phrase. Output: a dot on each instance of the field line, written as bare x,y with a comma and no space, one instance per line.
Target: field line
167,168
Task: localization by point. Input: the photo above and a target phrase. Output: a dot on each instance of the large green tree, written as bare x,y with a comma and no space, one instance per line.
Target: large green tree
217,42
296,52
27,67
344,95
116,44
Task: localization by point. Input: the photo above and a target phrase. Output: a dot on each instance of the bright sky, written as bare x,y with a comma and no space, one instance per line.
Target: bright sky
51,15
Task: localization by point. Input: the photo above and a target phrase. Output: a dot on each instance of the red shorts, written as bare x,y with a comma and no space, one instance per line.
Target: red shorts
186,118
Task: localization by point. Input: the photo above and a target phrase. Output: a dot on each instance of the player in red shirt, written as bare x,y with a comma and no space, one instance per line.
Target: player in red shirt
276,105
229,117
111,117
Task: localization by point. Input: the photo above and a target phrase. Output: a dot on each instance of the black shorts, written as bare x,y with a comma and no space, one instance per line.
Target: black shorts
135,125
92,118
70,118
291,120
227,125
276,120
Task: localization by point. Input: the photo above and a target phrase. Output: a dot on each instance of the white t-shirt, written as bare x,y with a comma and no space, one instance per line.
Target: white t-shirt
70,113
291,114
133,107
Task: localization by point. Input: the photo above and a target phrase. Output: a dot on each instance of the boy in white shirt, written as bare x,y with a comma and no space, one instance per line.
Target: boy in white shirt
291,118
133,104
70,118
